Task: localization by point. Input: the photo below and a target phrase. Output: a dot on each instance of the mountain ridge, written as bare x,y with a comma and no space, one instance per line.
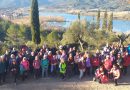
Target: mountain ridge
80,4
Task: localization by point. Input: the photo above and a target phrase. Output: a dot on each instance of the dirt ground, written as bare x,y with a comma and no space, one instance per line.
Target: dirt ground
55,83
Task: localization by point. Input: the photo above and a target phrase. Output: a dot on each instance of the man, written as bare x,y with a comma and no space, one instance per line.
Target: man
115,73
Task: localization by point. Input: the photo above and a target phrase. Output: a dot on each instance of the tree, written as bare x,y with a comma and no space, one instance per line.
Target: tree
104,25
123,38
76,34
35,24
14,36
98,20
110,23
54,38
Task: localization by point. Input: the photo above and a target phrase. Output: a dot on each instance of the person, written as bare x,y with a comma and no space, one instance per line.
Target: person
62,67
95,63
76,60
100,75
31,58
36,66
24,68
120,62
81,66
88,64
115,73
14,70
2,70
44,66
128,49
53,65
70,66
126,63
107,64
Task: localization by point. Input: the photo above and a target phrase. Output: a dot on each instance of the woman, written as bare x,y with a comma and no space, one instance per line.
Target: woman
116,74
2,70
88,64
126,63
70,66
36,66
14,70
62,67
81,66
76,60
107,64
95,63
24,68
53,65
120,62
44,66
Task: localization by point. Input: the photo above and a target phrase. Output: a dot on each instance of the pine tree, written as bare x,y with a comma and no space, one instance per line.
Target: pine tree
110,23
98,20
104,25
35,25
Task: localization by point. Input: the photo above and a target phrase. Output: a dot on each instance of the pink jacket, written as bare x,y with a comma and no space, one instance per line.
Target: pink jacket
36,64
25,64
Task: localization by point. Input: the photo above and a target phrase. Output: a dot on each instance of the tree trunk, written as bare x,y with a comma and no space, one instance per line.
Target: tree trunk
81,45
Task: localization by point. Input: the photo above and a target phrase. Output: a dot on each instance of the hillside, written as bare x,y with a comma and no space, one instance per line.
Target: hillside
80,4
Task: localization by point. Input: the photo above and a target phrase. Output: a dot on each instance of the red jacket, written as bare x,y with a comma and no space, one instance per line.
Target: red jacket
126,61
95,61
81,65
107,64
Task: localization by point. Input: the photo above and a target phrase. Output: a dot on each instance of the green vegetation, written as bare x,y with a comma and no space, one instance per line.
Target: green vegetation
84,35
98,20
35,25
110,23
104,25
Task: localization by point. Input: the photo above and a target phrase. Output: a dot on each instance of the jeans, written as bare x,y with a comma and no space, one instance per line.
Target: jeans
36,73
81,73
44,72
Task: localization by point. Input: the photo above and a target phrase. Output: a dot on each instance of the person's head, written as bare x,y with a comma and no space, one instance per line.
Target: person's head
114,66
12,56
24,58
82,59
88,55
44,57
77,53
71,49
36,58
118,55
107,57
14,61
101,68
62,60
74,48
6,52
70,55
14,49
49,53
32,54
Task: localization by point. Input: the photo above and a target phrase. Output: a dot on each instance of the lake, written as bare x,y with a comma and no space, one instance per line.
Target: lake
118,25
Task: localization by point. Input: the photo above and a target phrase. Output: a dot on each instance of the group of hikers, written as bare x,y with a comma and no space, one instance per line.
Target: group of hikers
111,63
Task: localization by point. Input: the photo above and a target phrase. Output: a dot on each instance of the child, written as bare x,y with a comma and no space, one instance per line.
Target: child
14,70
36,65
24,68
62,67
44,66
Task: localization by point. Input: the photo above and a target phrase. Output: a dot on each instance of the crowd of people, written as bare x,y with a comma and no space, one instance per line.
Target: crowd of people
111,63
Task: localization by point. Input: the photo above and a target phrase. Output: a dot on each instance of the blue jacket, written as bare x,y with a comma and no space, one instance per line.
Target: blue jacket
2,67
44,63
